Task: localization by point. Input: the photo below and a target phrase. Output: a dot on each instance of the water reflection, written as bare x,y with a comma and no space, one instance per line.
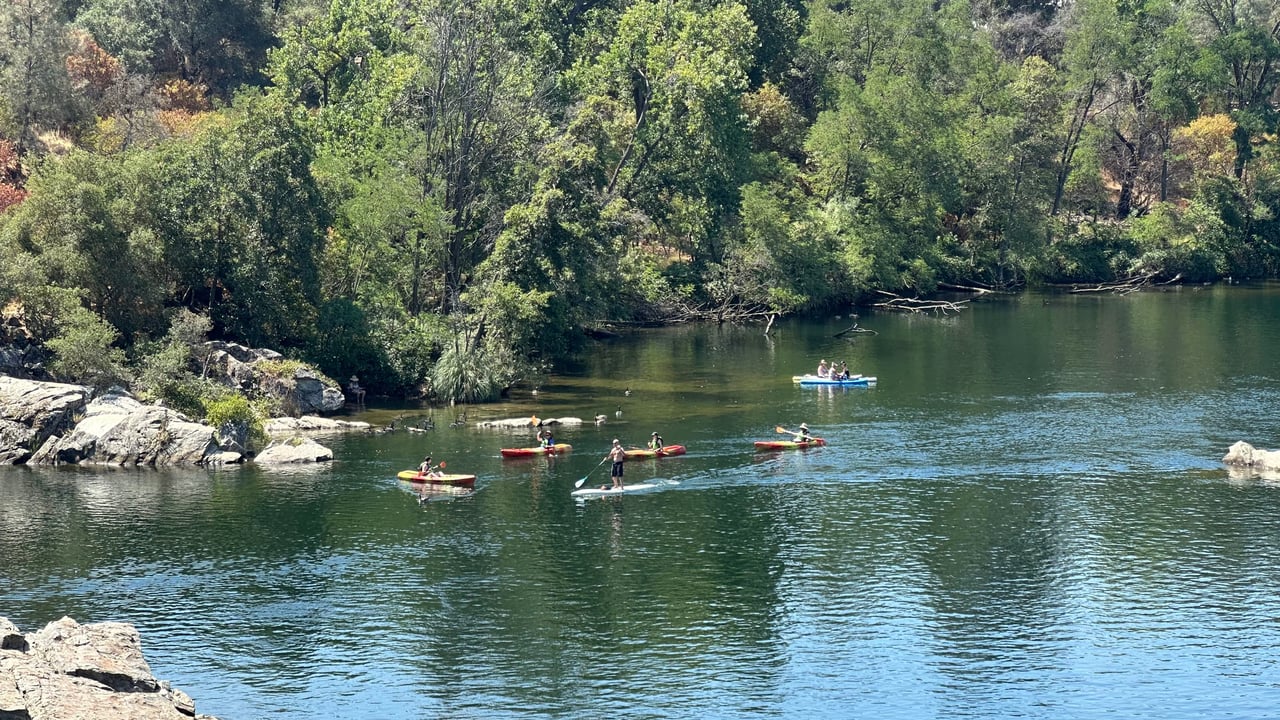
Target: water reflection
1028,518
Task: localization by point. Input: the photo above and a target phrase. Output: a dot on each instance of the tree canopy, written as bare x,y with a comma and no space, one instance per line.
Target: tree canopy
443,196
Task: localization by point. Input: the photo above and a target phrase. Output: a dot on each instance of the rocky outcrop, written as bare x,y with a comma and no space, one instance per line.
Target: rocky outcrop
300,390
294,450
118,430
69,671
22,361
232,363
311,424
1244,455
31,412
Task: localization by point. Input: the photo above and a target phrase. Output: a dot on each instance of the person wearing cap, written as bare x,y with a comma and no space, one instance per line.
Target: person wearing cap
618,456
822,368
804,435
655,441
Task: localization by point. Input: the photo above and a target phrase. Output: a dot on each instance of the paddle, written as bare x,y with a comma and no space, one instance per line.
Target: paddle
797,435
584,477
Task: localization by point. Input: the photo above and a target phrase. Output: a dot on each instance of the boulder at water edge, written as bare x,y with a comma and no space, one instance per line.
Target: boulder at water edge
293,450
311,424
116,429
69,671
31,412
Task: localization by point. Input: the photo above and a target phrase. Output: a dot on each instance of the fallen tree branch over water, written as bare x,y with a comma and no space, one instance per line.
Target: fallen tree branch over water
854,329
917,305
1127,285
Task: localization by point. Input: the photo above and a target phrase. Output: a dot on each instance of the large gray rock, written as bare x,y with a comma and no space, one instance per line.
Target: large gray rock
301,391
232,364
70,671
21,361
118,430
294,450
312,424
32,411
10,637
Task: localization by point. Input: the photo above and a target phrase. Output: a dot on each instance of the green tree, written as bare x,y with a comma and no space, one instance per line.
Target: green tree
81,229
33,78
243,222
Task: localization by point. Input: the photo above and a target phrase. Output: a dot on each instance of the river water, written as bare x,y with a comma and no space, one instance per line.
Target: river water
1026,517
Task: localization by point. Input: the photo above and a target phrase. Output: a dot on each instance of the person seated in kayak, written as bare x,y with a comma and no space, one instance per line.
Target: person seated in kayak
425,469
822,368
844,370
547,441
804,435
655,441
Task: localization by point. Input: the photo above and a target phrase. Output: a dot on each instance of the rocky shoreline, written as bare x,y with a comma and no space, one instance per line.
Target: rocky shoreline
48,423
69,671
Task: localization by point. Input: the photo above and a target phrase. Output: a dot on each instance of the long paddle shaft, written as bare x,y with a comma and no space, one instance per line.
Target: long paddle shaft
780,429
584,477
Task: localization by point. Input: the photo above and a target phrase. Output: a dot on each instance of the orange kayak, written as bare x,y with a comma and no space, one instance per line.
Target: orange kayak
666,451
530,452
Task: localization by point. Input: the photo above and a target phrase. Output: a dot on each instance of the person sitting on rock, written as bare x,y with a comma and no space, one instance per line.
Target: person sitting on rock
353,387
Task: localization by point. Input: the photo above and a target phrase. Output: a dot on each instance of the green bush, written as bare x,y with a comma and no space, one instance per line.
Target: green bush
235,409
83,351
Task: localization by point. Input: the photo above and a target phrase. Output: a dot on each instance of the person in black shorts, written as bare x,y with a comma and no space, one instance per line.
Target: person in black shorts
618,456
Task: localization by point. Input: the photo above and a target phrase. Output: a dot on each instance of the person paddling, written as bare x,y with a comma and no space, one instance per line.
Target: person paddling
425,469
618,456
803,436
655,441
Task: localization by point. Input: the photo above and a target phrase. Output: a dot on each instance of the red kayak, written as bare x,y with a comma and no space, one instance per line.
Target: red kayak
530,452
643,453
438,478
788,444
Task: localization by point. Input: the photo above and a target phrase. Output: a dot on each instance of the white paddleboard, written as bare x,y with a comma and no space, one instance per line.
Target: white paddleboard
591,492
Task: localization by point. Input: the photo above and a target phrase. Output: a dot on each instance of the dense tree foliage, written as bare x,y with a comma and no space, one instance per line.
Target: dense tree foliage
442,196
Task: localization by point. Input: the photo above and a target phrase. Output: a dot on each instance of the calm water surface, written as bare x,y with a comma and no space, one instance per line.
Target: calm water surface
1026,518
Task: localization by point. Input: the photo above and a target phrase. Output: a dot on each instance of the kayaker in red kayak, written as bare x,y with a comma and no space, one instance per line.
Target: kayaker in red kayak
655,441
804,435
